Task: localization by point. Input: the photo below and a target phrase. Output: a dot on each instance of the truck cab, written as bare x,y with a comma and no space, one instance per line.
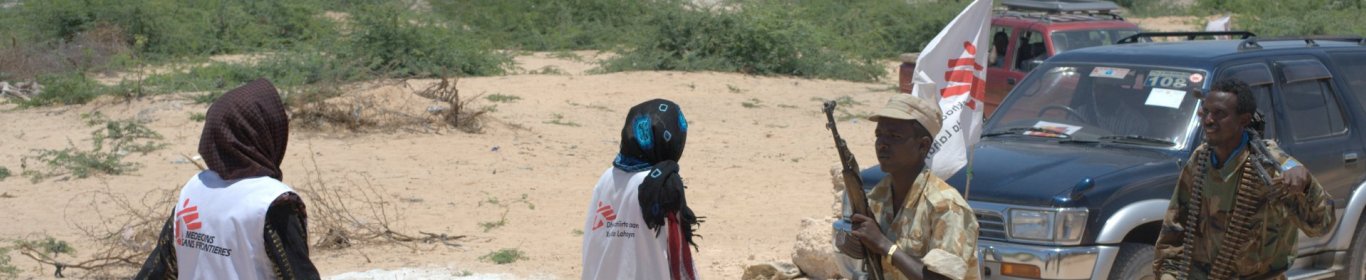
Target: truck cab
1027,32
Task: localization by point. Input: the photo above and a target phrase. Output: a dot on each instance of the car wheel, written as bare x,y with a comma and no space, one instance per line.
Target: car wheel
1135,262
1356,256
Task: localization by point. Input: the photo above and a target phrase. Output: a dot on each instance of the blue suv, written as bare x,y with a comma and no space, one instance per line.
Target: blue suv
1073,174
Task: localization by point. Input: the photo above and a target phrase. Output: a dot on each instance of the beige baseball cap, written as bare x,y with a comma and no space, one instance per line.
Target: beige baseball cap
904,106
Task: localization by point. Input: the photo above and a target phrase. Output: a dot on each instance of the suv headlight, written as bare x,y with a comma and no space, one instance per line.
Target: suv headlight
1056,225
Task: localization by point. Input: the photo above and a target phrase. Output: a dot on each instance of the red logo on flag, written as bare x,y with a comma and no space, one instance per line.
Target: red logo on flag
962,77
186,219
605,215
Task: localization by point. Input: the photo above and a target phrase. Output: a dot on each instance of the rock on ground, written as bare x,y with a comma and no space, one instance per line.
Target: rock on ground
814,251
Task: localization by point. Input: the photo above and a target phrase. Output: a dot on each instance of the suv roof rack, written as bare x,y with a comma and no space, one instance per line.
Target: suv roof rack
1060,6
1189,35
1309,41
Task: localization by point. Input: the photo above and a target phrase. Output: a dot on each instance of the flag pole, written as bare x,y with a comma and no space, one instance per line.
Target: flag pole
967,187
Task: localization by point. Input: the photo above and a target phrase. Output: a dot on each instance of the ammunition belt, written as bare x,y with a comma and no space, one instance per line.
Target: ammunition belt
1197,192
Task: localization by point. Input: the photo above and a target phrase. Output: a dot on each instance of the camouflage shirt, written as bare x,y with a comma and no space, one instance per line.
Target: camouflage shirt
1274,226
935,217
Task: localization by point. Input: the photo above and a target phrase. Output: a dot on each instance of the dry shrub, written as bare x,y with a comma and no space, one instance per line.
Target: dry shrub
331,221
355,212
458,112
91,49
344,113
375,112
125,231
359,114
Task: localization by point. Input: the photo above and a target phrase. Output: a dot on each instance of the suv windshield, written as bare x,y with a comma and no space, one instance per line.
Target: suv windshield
1071,40
1134,105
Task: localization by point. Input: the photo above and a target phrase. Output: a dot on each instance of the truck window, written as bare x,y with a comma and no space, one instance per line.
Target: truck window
1071,40
1258,76
1310,106
1030,47
1000,44
1352,67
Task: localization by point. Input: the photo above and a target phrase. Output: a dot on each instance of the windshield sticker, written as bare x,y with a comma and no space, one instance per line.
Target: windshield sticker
1168,79
1109,72
1169,98
1197,78
1057,130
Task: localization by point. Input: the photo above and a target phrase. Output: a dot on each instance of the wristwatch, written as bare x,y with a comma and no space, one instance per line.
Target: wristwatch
891,251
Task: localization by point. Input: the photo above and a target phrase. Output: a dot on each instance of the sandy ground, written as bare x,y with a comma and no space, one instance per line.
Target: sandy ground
753,171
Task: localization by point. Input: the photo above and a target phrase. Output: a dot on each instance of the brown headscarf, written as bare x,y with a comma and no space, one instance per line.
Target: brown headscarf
245,132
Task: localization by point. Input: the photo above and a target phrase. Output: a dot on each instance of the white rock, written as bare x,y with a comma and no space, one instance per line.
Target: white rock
771,271
814,252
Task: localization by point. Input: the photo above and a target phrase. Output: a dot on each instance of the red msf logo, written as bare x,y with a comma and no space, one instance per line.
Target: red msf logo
186,219
962,77
605,215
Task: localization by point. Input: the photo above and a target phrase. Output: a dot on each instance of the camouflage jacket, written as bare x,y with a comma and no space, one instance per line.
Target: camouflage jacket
935,217
1273,226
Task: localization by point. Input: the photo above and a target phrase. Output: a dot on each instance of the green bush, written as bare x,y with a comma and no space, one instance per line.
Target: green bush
6,268
542,25
393,41
881,28
180,28
285,70
385,44
1271,18
762,40
67,88
110,143
504,256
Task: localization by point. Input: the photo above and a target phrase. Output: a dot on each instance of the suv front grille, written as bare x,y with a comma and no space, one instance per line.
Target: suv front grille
990,225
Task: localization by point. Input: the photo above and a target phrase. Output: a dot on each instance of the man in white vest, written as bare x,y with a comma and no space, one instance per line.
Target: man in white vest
639,225
237,220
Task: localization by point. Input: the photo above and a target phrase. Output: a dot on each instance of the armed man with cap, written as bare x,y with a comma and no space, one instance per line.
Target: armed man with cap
924,228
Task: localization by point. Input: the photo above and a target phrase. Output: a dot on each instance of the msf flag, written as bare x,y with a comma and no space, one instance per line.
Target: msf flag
950,71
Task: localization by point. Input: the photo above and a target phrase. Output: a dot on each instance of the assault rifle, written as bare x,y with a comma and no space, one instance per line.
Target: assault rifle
1262,155
853,188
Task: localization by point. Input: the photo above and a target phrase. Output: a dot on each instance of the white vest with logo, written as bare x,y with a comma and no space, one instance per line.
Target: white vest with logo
219,227
616,242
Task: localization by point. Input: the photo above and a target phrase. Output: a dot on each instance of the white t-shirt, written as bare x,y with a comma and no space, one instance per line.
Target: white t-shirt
219,227
616,242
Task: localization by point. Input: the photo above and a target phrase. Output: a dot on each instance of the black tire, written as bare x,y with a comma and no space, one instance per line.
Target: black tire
1135,262
1356,255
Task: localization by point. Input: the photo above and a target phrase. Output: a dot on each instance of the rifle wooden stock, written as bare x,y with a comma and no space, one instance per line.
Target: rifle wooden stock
853,188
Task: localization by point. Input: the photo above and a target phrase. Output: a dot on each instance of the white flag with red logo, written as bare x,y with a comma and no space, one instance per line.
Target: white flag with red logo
950,71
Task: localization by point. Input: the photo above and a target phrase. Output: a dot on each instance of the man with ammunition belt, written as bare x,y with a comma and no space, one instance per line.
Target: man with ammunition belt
1239,199
923,228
